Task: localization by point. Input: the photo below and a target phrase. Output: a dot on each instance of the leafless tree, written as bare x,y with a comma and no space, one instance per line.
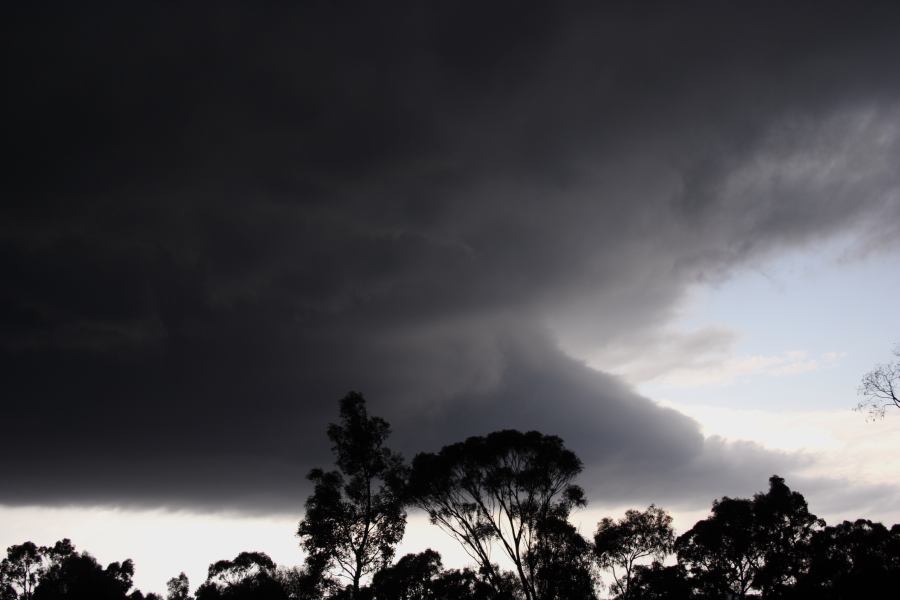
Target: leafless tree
880,389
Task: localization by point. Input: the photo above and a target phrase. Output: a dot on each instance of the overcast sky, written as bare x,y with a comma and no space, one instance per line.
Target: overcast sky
667,233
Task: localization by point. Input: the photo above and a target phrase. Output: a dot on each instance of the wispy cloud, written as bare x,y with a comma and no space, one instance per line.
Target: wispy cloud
733,369
703,357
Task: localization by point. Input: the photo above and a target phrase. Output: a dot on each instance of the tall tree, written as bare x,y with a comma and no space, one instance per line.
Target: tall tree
759,544
783,527
499,490
720,552
355,516
620,545
20,570
562,563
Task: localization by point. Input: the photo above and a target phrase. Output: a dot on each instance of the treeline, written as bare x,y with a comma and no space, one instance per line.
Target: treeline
506,498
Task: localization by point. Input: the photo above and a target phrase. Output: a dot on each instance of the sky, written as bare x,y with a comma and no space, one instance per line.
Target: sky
668,234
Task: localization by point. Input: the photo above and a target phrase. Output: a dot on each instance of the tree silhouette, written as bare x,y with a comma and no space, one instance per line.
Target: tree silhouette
355,517
466,584
562,562
7,591
58,551
746,544
660,582
499,489
880,389
21,569
139,595
514,492
178,588
309,582
77,576
720,551
783,527
852,560
411,578
244,566
619,545
421,577
251,575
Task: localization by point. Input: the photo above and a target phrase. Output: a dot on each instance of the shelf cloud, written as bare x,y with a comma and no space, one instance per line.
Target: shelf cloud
223,224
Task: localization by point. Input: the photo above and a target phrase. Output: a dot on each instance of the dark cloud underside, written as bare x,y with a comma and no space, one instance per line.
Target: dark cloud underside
222,220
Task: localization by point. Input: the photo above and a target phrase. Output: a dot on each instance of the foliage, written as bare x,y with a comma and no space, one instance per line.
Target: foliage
852,560
20,570
783,527
410,578
719,551
251,575
746,544
178,588
466,584
355,516
78,575
562,563
622,544
498,490
660,582
308,582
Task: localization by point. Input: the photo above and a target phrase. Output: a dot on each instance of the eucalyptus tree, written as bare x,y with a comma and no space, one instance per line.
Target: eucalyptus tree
620,546
859,559
250,576
78,575
355,516
562,562
499,490
178,588
745,545
21,570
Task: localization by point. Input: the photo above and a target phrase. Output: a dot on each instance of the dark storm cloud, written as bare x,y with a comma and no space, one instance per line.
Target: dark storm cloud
222,220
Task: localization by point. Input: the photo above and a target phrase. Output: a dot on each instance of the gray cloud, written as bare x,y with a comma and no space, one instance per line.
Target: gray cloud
224,222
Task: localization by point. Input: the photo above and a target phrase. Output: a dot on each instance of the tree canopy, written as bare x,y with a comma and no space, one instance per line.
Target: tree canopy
750,544
499,490
355,515
620,545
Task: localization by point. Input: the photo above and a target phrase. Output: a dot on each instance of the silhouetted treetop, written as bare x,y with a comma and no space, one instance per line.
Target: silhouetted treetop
355,515
619,545
498,489
249,576
21,569
746,545
178,588
78,576
244,565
